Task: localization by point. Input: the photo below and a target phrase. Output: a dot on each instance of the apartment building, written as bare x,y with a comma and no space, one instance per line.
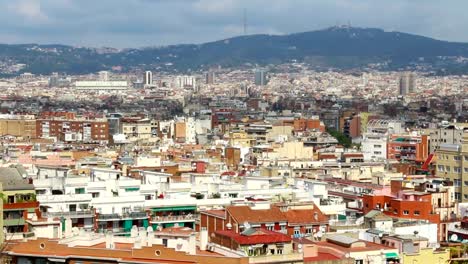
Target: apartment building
452,164
73,130
18,125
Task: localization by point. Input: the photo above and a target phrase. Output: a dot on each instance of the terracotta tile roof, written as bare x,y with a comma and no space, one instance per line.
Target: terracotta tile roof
245,214
260,236
322,257
217,213
305,216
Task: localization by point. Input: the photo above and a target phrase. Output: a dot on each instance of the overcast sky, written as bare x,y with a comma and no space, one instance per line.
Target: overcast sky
137,23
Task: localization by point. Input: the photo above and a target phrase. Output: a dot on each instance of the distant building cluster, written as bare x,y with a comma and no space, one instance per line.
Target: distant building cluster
280,164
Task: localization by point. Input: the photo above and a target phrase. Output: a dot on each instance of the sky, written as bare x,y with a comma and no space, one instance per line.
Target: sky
142,23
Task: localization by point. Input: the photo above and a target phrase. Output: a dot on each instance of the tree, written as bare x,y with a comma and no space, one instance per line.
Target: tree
342,139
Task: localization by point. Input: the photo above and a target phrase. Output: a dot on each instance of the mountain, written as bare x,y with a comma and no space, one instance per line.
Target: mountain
338,47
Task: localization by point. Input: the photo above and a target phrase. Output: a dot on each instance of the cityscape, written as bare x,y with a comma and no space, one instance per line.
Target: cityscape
339,145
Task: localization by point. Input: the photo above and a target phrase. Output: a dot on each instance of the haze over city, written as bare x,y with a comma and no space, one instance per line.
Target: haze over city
138,23
233,131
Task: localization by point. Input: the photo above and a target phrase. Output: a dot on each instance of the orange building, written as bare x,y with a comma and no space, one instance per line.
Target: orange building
408,148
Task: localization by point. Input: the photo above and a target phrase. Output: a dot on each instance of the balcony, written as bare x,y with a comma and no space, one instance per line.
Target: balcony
174,218
14,222
116,217
135,215
72,214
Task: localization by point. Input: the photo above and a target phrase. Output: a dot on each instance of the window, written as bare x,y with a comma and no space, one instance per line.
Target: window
447,168
457,169
279,251
466,196
251,251
416,212
72,207
466,183
457,196
377,146
308,230
270,227
95,194
440,167
465,169
457,158
405,212
79,190
466,158
297,231
457,182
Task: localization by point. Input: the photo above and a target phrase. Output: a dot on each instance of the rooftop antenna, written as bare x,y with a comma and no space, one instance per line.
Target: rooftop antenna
245,22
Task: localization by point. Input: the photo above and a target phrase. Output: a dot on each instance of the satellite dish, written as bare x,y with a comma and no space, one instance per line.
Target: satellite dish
454,237
246,225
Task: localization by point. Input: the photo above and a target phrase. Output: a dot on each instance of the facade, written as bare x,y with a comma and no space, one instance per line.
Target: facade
19,200
450,134
148,78
261,78
72,130
452,164
18,125
186,82
412,148
140,129
407,83
210,77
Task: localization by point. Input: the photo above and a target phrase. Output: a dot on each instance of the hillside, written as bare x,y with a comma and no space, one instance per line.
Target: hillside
338,47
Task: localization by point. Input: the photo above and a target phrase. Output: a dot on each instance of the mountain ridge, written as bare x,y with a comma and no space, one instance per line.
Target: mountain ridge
333,47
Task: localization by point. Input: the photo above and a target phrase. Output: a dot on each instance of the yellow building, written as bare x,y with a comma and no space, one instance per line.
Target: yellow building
144,129
240,139
18,126
426,256
452,164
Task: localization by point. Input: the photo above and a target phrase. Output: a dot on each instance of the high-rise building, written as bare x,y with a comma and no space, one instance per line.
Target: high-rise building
148,78
261,77
186,82
210,77
407,83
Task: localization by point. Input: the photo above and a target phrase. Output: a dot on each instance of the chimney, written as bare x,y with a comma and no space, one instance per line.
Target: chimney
142,235
150,236
134,231
203,238
109,240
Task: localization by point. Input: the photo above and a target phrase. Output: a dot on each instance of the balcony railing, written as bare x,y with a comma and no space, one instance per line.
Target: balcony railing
174,218
71,214
130,215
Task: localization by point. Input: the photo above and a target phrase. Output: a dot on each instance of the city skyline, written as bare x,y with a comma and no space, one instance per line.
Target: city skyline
140,23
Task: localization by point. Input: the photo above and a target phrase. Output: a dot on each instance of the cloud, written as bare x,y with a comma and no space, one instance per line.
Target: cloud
135,23
30,10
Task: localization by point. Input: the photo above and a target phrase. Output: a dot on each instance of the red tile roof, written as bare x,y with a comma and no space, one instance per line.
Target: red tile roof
246,214
305,216
261,236
322,257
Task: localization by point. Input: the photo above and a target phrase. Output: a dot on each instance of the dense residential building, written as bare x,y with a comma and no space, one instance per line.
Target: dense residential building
452,164
73,130
18,126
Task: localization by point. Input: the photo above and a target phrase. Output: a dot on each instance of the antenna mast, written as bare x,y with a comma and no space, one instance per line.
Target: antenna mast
245,21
